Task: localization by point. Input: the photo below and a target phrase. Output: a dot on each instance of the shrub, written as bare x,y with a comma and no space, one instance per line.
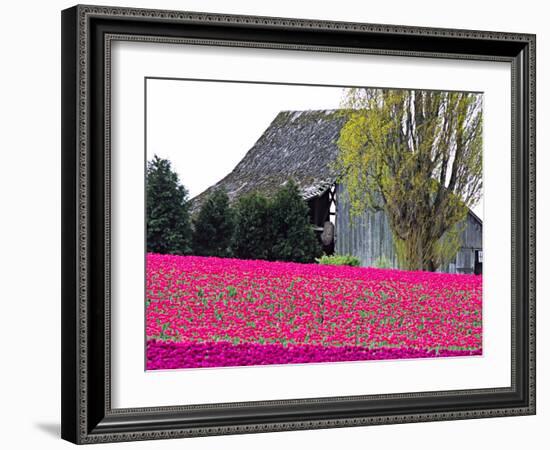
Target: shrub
339,260
213,226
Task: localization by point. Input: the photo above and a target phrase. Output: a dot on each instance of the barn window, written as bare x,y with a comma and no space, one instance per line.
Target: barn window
478,262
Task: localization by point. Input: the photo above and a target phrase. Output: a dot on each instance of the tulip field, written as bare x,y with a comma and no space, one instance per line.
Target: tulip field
214,312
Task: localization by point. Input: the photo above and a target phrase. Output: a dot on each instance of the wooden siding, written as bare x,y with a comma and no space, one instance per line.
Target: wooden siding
472,240
369,237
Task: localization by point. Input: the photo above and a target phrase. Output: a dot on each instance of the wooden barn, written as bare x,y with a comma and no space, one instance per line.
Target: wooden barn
301,145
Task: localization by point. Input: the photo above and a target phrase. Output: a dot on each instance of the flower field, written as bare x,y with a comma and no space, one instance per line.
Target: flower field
213,312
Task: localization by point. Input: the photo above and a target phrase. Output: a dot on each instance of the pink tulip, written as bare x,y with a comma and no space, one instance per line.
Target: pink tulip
329,313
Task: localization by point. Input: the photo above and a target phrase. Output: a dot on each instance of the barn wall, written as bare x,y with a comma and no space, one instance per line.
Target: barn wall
472,240
369,237
472,234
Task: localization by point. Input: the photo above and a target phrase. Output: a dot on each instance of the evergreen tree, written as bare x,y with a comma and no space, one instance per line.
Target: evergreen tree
253,227
294,237
168,220
213,226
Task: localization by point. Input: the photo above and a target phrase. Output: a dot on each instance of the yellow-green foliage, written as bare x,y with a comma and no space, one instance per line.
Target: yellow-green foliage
339,260
417,155
448,245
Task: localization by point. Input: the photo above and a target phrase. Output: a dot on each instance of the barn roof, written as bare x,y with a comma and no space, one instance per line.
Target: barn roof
298,145
475,217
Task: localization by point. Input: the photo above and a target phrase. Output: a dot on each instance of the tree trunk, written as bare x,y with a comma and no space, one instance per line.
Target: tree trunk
416,252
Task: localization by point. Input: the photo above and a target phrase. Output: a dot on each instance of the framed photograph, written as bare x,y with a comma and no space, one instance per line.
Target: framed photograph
268,222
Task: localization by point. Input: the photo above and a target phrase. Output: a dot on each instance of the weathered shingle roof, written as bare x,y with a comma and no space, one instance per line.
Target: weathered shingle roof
298,145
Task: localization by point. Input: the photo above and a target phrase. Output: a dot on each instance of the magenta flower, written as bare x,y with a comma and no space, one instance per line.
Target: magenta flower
211,312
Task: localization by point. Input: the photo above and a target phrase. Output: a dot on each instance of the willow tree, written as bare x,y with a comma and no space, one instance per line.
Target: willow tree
417,155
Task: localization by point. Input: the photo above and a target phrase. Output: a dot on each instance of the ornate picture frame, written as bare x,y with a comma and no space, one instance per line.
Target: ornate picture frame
88,33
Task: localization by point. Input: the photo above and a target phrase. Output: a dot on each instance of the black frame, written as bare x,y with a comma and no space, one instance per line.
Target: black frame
87,416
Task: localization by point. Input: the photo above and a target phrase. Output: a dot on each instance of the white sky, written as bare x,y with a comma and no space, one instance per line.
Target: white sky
206,128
